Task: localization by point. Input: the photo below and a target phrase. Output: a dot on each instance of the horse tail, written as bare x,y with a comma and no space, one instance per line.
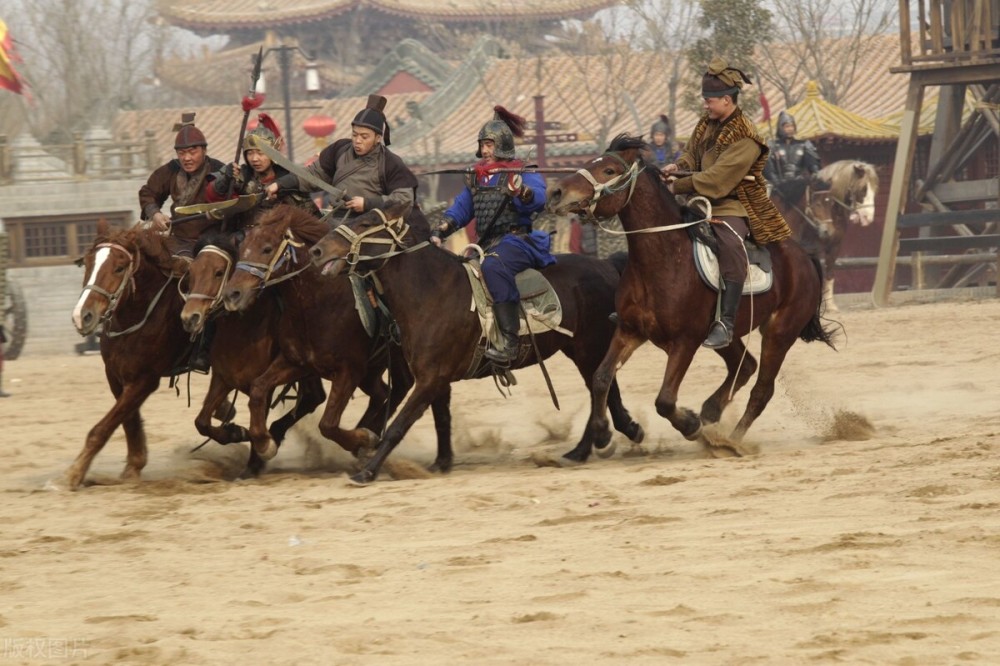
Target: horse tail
618,260
815,330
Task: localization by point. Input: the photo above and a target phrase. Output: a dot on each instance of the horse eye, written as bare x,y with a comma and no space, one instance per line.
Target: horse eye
219,273
120,269
608,171
268,249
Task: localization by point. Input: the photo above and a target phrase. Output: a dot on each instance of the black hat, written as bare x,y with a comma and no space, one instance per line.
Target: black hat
721,79
372,117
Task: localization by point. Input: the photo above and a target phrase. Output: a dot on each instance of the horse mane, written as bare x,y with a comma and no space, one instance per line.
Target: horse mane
156,247
220,240
301,222
840,176
626,141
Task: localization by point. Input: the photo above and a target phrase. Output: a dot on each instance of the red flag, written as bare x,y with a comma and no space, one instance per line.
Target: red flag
9,78
765,107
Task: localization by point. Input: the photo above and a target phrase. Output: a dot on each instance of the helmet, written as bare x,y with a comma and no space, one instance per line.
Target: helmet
266,131
785,118
188,136
501,131
662,124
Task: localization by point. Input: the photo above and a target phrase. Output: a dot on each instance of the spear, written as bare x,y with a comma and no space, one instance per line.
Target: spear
250,102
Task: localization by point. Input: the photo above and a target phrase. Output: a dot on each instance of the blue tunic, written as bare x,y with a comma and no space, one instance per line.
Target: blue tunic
514,252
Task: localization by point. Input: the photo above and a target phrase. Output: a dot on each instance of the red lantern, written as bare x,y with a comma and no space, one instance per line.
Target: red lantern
319,126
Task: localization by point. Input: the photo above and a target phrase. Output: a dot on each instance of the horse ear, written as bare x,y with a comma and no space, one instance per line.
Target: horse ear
859,169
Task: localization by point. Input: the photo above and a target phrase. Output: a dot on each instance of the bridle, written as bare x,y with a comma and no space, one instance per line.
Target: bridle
626,179
397,229
286,254
216,300
114,299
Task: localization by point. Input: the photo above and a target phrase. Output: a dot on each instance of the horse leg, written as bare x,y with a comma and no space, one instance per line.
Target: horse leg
355,441
679,358
279,373
311,395
772,355
441,410
830,255
422,396
736,362
229,433
128,399
597,434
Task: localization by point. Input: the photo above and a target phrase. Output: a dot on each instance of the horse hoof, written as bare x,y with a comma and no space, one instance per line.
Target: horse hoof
441,466
607,451
362,478
548,460
268,450
635,434
696,435
569,462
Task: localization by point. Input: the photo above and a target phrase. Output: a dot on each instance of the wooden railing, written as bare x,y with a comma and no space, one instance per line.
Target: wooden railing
949,32
96,159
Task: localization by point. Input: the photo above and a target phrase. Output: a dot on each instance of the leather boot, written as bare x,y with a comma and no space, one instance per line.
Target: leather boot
200,360
508,318
721,333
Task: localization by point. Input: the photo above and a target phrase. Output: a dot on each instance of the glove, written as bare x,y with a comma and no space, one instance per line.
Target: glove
527,195
226,179
515,184
443,230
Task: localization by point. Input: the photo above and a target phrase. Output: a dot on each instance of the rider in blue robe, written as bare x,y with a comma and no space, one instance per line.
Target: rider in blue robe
503,204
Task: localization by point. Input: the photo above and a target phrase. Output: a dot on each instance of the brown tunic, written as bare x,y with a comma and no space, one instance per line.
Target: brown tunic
170,181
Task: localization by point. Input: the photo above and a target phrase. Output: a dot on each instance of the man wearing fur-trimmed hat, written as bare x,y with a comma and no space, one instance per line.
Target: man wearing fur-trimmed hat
363,171
182,180
723,149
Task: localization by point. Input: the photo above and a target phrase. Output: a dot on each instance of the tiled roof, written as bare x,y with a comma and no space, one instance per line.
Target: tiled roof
221,124
408,56
267,14
594,97
223,76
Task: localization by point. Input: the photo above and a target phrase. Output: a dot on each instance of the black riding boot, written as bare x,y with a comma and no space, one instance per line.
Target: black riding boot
508,316
200,361
721,333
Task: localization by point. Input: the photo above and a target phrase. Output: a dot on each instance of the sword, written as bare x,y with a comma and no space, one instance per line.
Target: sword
529,169
218,210
336,194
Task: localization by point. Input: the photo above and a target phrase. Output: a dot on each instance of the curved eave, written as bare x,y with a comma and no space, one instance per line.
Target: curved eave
206,20
478,14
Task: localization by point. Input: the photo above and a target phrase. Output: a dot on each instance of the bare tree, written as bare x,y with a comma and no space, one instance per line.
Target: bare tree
86,59
823,41
668,28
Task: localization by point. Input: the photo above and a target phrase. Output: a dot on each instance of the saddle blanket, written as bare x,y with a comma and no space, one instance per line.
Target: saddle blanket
758,280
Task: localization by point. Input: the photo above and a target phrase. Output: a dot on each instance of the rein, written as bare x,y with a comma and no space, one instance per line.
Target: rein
397,230
286,253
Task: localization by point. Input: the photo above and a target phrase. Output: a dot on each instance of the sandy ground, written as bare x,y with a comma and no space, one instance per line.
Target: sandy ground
866,531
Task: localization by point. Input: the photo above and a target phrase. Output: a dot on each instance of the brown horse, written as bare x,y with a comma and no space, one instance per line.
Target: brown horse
129,286
318,332
661,298
427,290
244,347
844,194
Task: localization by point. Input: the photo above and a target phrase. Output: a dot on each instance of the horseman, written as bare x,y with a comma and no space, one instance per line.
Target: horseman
793,163
254,176
503,202
182,180
662,146
364,173
723,149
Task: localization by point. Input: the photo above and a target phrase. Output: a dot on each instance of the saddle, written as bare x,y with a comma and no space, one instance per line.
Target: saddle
706,260
538,298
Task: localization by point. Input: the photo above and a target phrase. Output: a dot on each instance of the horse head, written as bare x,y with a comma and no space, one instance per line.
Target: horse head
273,250
604,185
853,186
206,279
110,269
356,244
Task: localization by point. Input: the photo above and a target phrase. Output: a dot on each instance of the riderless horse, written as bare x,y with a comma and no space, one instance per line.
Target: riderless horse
428,292
129,288
662,298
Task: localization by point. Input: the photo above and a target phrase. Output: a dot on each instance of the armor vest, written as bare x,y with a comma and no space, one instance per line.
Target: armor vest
791,158
495,215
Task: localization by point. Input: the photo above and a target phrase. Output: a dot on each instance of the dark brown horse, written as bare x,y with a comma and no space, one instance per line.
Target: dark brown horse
427,290
844,194
244,347
318,332
129,286
661,298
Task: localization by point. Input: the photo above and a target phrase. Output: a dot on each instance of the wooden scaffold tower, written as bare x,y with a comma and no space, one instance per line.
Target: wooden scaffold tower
956,46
